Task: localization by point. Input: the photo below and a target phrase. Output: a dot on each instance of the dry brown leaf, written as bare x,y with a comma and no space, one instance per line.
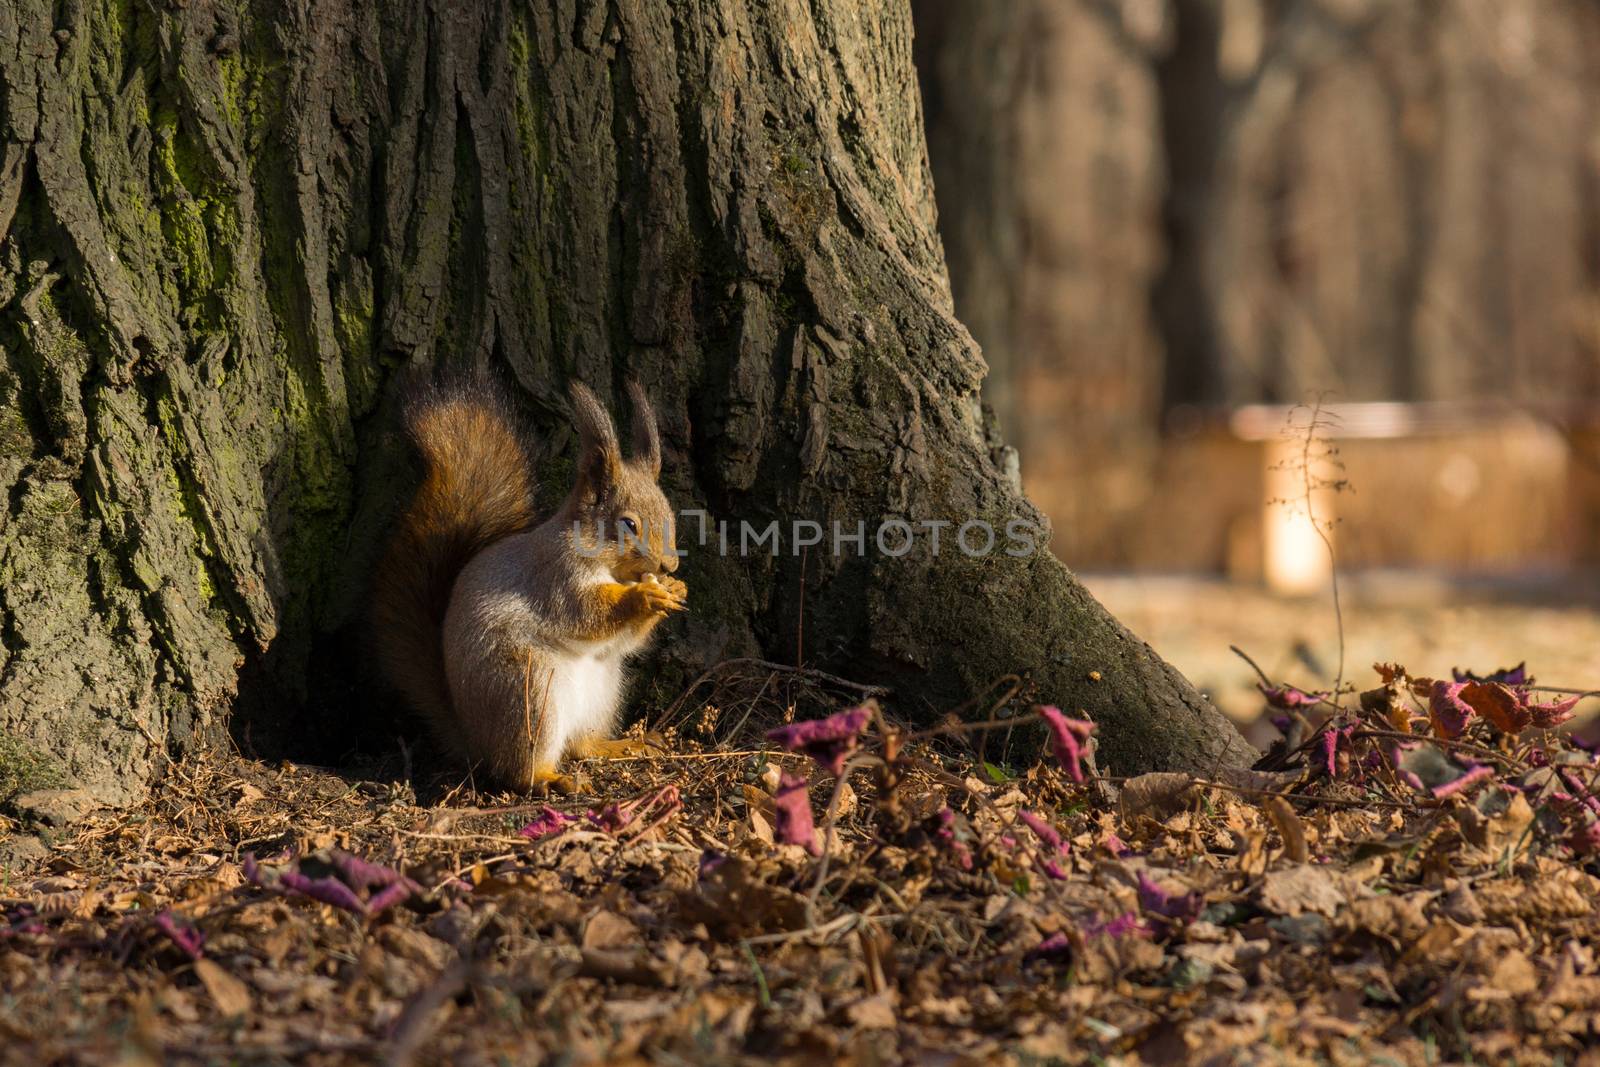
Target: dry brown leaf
875,1012
1399,917
1541,900
1288,824
1158,794
760,826
847,800
1303,888
1514,975
231,996
607,929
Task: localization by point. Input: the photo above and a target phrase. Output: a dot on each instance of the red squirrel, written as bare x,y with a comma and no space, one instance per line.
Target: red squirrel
507,634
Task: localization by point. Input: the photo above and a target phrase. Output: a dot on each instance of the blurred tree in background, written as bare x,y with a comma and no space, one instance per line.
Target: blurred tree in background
1152,206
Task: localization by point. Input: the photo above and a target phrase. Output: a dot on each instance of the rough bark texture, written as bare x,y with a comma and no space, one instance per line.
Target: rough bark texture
226,227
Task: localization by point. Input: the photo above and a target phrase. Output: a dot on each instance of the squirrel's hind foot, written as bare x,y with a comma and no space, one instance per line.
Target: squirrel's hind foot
619,748
548,781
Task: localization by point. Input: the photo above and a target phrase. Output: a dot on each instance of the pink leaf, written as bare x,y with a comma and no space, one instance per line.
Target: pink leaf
328,890
792,821
1586,841
363,874
1448,712
1185,907
186,937
1043,831
1476,772
390,895
1066,739
547,822
1124,925
829,741
1552,714
946,833
1288,698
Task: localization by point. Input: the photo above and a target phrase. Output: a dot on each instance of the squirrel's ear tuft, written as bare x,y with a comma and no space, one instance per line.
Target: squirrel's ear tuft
599,456
646,439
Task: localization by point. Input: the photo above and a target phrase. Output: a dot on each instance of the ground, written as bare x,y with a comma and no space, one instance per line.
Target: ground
1370,899
1430,622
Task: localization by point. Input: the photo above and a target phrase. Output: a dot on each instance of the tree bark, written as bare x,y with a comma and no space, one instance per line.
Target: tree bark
226,228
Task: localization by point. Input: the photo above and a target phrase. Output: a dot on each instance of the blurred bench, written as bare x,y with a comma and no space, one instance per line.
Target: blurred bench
1454,487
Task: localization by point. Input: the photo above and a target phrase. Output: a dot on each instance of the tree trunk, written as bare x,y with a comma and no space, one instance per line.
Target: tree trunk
225,228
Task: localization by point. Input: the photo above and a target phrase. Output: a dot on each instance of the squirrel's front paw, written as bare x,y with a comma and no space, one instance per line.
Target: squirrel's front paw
659,597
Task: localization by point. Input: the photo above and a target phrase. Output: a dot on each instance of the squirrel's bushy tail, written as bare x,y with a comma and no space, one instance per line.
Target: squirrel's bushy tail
477,489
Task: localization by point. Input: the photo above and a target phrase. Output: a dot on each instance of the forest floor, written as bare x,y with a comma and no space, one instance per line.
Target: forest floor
1404,883
1428,621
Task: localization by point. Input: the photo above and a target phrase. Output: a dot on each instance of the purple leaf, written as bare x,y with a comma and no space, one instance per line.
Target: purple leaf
1289,698
1447,710
328,890
1552,714
549,821
791,809
1512,676
1580,794
391,895
616,816
611,818
1476,772
710,860
1043,831
829,741
1586,842
946,833
1066,739
362,874
1184,907
1053,869
186,937
1124,925
1052,947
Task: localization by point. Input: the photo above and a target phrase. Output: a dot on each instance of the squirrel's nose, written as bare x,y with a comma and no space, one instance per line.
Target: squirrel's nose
669,563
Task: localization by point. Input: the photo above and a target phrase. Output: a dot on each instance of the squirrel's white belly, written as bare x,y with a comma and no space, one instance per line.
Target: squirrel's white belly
585,690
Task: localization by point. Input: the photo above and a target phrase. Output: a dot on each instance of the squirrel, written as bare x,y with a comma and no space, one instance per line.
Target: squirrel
509,635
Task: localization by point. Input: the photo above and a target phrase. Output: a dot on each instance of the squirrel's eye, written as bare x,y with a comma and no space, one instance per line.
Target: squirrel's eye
629,525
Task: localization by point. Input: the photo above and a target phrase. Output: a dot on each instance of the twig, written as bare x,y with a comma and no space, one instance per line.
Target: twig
1242,654
672,709
1322,534
1444,742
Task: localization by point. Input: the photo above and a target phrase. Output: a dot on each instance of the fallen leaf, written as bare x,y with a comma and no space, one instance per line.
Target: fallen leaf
607,929
1288,825
1159,793
230,995
1300,888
